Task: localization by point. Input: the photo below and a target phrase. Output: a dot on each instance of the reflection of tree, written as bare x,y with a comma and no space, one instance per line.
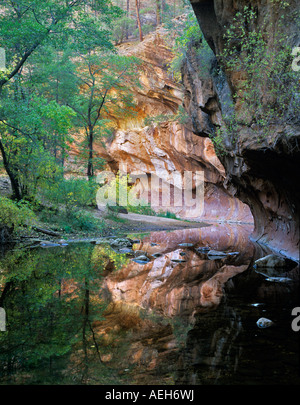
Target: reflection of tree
211,352
51,298
108,259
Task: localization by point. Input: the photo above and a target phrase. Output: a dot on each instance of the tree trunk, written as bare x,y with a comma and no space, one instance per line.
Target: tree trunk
158,12
85,367
13,179
138,20
127,15
163,6
90,168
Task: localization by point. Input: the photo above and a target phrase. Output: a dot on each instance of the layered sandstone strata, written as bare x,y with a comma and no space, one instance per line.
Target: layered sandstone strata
182,280
168,149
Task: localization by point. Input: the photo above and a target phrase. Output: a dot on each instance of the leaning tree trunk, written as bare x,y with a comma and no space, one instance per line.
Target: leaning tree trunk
13,179
158,9
138,20
127,15
90,168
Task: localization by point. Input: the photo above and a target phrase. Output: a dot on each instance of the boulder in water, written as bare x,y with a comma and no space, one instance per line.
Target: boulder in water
216,253
273,261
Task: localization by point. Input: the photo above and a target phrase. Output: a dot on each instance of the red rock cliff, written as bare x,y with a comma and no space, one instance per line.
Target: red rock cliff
168,149
262,171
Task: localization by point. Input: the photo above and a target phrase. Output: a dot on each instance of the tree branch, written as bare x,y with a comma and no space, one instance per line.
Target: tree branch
38,42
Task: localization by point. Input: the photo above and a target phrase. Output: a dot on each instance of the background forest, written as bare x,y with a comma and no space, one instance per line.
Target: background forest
63,76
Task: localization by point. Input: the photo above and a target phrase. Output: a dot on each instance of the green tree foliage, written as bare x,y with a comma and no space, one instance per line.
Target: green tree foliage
13,217
142,17
268,91
31,127
103,82
34,122
187,34
52,297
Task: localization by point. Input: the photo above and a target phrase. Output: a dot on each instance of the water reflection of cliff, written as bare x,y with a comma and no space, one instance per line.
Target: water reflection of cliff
90,314
205,330
182,279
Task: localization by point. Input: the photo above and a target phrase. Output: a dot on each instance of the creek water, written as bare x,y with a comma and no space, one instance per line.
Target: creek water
90,314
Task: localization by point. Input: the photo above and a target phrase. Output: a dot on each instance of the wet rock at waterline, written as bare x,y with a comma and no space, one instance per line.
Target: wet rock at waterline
178,260
216,253
120,242
203,249
46,244
279,279
274,275
116,243
126,251
142,259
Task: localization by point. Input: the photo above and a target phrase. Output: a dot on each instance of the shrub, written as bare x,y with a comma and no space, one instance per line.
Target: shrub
72,192
72,221
269,88
13,216
167,214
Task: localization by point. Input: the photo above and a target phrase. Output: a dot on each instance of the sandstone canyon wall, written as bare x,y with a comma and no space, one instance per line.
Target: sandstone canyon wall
263,172
167,149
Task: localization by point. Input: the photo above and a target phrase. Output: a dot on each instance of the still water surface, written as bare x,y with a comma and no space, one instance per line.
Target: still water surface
88,314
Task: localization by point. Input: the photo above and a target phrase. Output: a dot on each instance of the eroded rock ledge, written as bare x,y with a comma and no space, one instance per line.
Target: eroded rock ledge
169,148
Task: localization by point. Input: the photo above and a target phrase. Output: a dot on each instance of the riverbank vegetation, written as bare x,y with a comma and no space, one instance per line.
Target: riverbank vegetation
64,84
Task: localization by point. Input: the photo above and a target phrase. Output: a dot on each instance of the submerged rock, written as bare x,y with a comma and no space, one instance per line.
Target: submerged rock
216,253
139,253
134,241
156,255
120,242
46,244
63,243
142,258
125,250
203,249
